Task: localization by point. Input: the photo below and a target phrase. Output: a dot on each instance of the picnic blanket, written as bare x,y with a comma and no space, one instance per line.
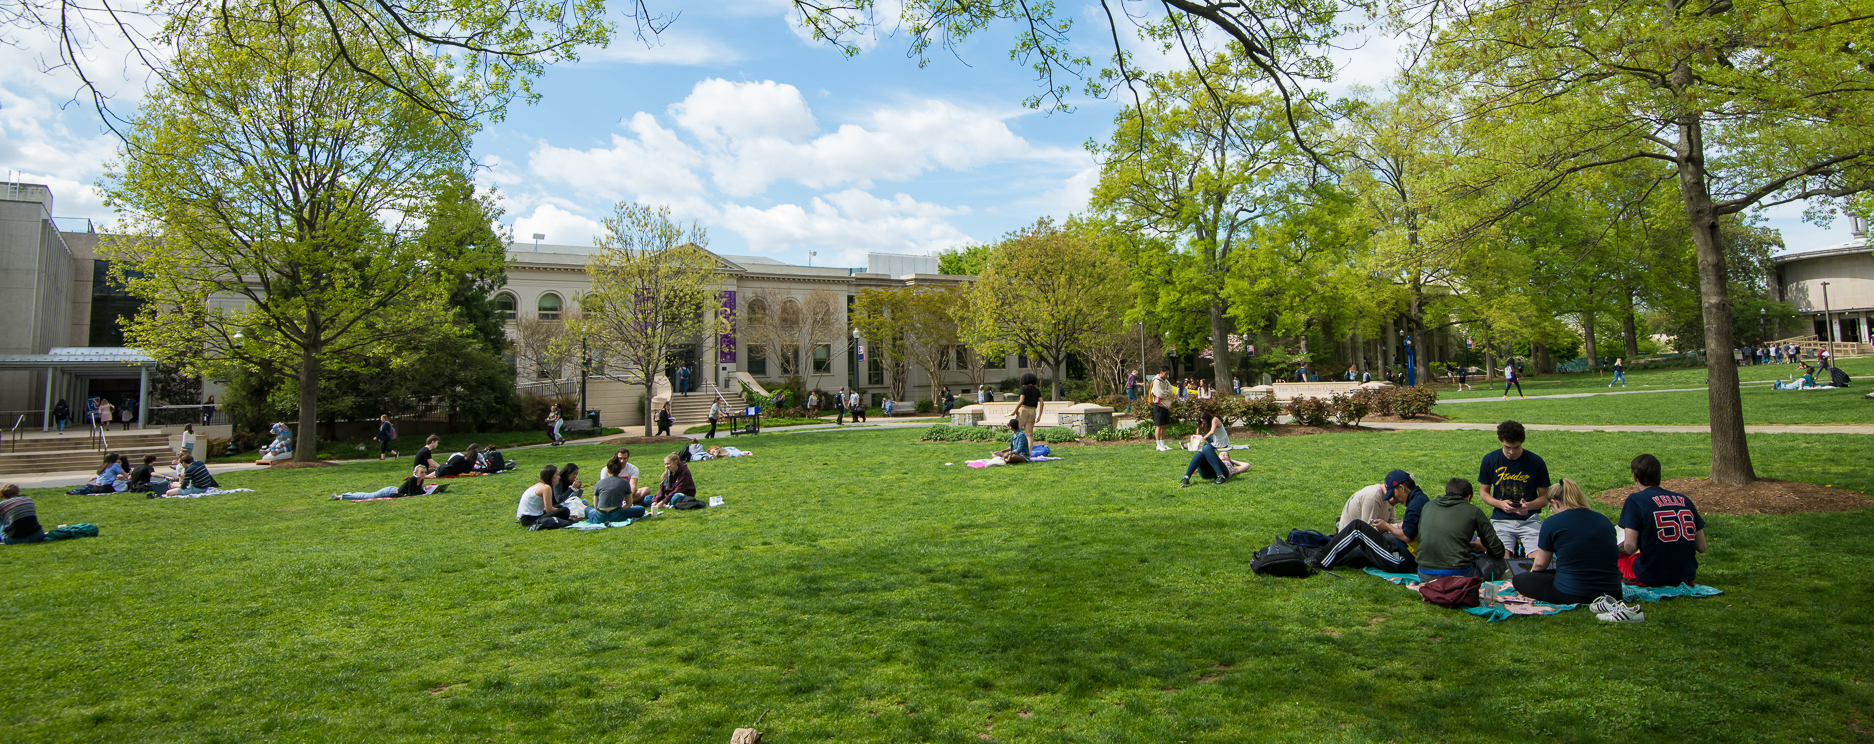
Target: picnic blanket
589,526
1517,604
209,492
983,463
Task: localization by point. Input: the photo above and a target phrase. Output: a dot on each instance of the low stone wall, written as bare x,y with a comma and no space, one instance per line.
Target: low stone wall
1287,391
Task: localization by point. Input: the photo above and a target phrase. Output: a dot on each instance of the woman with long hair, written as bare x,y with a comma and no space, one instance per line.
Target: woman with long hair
1577,559
534,512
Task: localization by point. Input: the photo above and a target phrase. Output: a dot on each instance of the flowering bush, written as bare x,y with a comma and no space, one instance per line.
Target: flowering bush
1414,402
1260,412
1309,411
1347,409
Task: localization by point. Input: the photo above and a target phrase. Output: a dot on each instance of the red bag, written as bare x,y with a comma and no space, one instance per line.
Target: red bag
1456,592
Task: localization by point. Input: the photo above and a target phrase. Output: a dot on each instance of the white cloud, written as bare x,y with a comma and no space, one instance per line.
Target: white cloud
851,222
560,227
1073,194
655,166
672,47
718,111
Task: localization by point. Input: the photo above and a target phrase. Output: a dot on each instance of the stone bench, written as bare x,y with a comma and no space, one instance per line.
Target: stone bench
901,408
998,414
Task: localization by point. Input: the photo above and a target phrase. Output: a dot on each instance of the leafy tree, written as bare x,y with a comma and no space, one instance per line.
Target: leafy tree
966,261
1750,103
654,288
1193,169
931,332
1047,291
276,206
884,317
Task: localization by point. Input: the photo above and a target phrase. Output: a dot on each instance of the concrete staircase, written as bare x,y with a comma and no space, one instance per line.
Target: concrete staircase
694,408
76,451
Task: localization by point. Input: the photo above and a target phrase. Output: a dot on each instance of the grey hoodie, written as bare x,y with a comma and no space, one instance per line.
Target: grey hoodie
1445,530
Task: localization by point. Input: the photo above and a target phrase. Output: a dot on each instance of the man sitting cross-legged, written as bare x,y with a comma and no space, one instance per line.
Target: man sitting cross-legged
1661,532
1369,535
1451,532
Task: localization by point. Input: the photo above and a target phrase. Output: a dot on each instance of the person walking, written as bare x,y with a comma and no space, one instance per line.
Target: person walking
683,381
715,414
1132,391
663,420
208,411
1620,372
1161,405
60,413
856,406
553,422
102,419
386,432
1512,376
839,407
1028,409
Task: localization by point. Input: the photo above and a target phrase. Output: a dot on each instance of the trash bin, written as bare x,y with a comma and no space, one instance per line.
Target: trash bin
592,415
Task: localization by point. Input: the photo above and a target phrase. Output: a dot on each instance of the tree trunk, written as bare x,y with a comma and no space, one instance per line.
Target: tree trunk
1221,365
1730,453
1587,340
1626,315
1415,335
306,448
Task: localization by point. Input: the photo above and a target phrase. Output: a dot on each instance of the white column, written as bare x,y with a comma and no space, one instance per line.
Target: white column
45,423
143,396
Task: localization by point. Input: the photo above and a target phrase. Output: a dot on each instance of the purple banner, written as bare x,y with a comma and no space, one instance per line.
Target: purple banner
725,349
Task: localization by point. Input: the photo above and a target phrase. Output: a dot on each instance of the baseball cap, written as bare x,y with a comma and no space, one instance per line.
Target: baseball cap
1396,477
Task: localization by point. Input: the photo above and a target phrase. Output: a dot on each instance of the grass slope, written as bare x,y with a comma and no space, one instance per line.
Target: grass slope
1762,405
1688,377
861,591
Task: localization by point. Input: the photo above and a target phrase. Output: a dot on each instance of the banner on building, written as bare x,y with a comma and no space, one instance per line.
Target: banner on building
725,350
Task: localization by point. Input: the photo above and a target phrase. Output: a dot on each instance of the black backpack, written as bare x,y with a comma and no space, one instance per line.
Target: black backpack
1282,559
685,501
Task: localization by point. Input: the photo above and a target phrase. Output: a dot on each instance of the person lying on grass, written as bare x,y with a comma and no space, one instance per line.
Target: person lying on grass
1576,558
677,482
411,486
612,498
1449,531
1661,532
1365,539
195,478
19,518
1019,449
460,463
533,512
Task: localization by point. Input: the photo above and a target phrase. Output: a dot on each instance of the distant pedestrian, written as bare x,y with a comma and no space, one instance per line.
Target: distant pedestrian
1512,377
1620,372
554,421
1161,405
664,420
715,414
208,411
105,411
949,400
60,413
386,432
1028,409
855,406
839,407
1132,391
683,381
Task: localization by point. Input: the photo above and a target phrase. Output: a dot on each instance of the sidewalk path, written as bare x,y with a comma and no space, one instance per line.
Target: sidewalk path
1659,429
1489,399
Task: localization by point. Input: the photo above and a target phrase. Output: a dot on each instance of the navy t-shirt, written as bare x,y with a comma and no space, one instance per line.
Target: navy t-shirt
1587,558
1668,524
1514,481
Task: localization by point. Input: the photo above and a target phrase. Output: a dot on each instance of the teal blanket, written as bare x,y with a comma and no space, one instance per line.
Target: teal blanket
1498,613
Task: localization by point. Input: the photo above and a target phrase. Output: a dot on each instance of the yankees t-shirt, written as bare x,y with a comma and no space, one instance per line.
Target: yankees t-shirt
1668,524
1515,481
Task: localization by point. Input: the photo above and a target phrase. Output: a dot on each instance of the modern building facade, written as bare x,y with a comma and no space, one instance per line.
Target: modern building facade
1832,286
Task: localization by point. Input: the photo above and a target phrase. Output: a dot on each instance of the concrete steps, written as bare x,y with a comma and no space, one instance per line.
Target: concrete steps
75,451
694,408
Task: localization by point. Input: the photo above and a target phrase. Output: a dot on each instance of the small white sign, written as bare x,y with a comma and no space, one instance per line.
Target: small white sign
715,501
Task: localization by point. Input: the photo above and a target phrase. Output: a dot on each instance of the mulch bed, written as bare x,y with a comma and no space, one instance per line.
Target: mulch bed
1431,418
1762,496
292,464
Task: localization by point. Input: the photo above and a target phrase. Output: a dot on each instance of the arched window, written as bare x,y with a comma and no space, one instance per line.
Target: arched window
505,306
790,314
757,310
549,308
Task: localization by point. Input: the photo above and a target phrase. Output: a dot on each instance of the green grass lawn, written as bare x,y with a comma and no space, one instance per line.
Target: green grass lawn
1762,405
348,449
1688,377
859,590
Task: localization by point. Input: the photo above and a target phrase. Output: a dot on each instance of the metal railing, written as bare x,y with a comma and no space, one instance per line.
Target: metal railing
199,414
13,435
98,440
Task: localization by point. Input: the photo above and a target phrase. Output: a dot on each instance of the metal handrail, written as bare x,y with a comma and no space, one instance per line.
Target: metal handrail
14,433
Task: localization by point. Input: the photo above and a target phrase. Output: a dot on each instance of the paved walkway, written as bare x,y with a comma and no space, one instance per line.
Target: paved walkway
1660,429
1499,399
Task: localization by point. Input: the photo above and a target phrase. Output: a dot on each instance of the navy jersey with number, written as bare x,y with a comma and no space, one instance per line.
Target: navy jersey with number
1517,481
1668,524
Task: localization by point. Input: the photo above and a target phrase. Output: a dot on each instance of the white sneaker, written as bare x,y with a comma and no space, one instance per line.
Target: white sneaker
1163,448
1622,614
1603,603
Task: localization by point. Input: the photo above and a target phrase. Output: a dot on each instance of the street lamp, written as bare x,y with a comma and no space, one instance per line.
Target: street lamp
1828,321
853,360
1762,312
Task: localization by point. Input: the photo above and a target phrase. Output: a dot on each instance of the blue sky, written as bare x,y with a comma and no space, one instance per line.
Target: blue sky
776,144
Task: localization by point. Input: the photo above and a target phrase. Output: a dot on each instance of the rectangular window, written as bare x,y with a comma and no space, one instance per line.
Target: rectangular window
994,362
1021,361
757,360
823,359
963,357
874,372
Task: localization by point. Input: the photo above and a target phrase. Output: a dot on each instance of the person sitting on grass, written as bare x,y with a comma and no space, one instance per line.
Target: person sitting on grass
1451,532
568,485
460,463
19,518
677,481
1661,532
1576,558
1368,536
612,498
195,478
110,478
424,458
411,486
534,512
1205,460
490,461
1019,449
143,478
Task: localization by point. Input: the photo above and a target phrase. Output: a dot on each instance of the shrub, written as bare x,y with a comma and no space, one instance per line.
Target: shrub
1380,401
1115,402
1056,435
1309,411
1112,434
1254,412
948,433
1078,391
923,406
1348,409
1414,402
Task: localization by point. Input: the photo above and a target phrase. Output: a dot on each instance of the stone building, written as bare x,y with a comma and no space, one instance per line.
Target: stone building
1832,286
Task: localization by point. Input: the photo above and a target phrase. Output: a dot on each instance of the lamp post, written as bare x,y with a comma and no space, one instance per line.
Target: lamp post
1762,312
853,360
1828,321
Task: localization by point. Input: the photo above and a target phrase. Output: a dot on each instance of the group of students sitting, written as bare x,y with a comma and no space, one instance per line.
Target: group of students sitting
187,477
557,499
472,459
1574,556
